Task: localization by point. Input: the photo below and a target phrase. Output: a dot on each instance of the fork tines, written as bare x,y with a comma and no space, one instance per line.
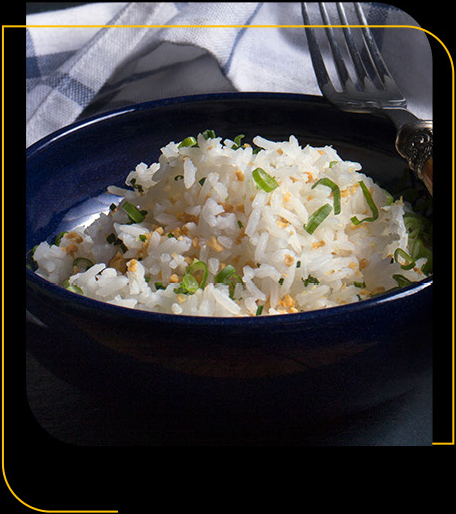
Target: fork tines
344,54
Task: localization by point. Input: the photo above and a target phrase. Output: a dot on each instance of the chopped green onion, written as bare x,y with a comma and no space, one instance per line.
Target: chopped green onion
335,191
240,225
82,262
228,277
143,238
333,163
264,180
281,281
196,266
359,284
58,238
113,239
72,287
189,285
237,141
138,187
259,310
317,218
134,214
158,285
401,280
298,264
409,262
310,280
188,141
225,274
113,207
416,223
371,205
202,181
209,134
389,197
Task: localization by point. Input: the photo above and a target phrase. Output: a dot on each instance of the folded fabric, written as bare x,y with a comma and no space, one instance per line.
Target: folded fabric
96,57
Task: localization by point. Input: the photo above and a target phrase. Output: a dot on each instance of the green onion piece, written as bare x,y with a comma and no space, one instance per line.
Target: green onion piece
237,141
259,310
401,280
264,180
310,280
281,280
82,262
359,284
190,283
113,207
371,205
389,197
143,238
202,181
416,224
72,287
317,218
196,266
58,238
298,264
333,163
409,262
134,214
335,191
188,141
240,225
209,134
228,277
158,285
136,186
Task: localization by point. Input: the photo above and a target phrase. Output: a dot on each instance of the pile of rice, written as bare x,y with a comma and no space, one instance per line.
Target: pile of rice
203,202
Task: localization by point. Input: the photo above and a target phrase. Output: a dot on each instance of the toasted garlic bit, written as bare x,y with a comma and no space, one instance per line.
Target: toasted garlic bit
239,175
319,244
363,263
174,278
71,249
74,237
118,263
289,260
215,244
132,265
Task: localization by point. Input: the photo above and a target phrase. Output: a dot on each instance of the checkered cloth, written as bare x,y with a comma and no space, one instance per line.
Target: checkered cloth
73,72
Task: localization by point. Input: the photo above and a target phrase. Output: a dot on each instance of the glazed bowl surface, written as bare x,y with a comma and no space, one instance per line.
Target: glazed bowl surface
268,370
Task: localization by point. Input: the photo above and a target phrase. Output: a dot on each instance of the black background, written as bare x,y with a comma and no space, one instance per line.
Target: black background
51,475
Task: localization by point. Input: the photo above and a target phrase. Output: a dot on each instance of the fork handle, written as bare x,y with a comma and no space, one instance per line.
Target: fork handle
414,142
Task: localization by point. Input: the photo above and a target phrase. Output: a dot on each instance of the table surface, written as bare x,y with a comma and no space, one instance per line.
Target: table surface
74,417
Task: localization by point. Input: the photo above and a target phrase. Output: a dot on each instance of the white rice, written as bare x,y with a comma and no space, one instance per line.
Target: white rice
203,203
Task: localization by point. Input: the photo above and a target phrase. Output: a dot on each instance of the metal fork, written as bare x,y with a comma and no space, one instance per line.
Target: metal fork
372,88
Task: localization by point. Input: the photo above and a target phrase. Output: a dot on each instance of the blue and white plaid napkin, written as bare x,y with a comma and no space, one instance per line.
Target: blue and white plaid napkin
74,72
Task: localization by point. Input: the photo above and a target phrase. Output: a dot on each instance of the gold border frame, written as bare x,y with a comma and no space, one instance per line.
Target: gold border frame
219,26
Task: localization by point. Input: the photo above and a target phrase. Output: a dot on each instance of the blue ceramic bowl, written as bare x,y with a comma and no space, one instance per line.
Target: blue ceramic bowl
278,370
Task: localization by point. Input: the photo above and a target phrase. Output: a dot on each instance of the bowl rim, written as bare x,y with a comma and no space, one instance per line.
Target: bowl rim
77,301
58,134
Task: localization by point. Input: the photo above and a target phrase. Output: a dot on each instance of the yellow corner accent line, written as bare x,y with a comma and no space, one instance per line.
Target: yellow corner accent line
213,26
